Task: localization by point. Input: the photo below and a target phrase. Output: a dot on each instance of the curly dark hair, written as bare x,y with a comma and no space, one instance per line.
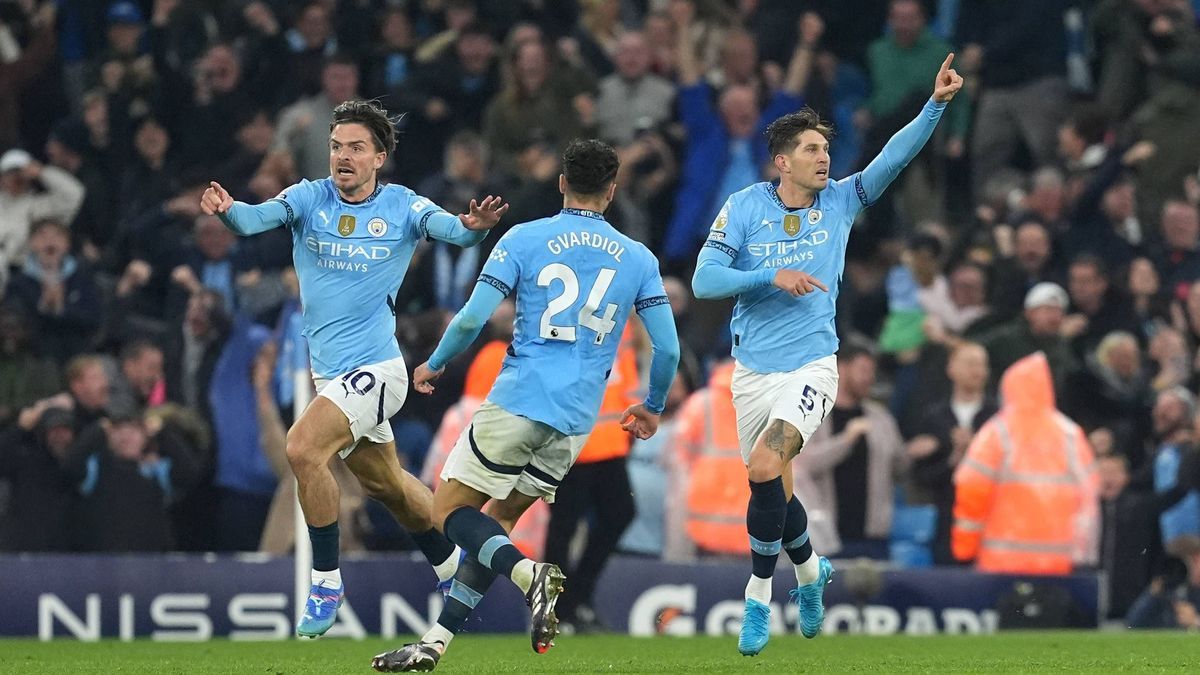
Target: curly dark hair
372,116
784,133
590,166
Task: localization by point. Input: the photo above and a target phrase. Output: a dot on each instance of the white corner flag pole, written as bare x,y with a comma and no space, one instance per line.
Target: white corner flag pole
303,555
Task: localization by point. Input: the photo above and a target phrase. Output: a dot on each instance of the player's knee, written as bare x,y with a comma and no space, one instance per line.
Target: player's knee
301,454
763,471
764,466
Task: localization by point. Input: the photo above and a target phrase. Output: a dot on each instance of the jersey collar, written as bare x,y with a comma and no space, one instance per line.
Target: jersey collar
370,198
586,213
773,191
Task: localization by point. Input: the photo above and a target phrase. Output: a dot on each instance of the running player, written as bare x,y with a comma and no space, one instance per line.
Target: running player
774,247
352,239
577,280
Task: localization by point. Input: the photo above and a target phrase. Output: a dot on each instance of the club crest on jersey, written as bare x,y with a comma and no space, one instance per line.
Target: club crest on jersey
814,216
346,225
791,224
377,227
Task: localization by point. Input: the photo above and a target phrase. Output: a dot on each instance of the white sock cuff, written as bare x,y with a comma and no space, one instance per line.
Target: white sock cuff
328,579
446,569
808,571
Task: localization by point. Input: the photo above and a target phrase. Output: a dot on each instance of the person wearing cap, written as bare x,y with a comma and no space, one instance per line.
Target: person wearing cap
1038,329
43,498
124,65
21,206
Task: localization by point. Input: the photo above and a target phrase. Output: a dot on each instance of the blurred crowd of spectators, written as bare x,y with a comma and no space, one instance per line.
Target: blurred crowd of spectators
148,356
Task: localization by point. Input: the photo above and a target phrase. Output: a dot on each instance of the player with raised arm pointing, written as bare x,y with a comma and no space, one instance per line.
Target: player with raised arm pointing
780,250
352,240
577,281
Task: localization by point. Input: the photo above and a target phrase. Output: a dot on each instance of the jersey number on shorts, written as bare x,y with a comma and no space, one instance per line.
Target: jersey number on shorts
603,325
358,381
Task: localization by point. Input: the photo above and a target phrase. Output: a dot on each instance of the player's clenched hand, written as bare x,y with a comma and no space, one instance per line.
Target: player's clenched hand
215,199
424,376
484,215
639,422
948,81
797,283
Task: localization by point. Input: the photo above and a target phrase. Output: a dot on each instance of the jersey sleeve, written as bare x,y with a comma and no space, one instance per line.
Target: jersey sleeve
430,221
651,292
726,233
299,200
714,277
502,269
901,148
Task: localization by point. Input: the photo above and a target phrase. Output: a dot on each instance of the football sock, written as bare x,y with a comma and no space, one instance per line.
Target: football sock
470,583
327,578
759,589
438,634
324,546
438,551
765,516
795,542
484,538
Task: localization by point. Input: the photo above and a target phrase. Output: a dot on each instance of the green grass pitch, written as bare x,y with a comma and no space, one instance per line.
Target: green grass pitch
1005,653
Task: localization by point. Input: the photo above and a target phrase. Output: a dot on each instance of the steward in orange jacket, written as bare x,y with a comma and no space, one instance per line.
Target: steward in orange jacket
1026,498
708,459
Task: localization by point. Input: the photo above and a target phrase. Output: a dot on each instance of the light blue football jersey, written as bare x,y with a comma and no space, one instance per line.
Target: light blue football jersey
773,331
577,280
350,259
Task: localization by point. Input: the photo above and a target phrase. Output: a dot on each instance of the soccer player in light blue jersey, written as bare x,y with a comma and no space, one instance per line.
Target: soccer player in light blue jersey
577,281
780,250
352,239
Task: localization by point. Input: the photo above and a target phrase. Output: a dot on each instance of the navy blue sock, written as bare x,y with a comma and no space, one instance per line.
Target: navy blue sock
795,532
764,521
471,581
436,547
481,536
324,546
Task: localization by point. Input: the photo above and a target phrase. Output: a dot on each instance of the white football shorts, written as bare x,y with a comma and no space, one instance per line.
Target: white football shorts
369,396
499,452
802,398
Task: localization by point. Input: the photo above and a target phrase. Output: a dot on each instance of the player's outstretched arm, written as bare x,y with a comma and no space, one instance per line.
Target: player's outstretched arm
641,420
462,331
470,228
907,142
239,217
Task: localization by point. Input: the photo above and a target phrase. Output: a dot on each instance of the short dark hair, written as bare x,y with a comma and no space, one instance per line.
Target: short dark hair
784,133
590,166
49,223
1091,260
134,350
1090,122
853,349
341,59
372,116
926,242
